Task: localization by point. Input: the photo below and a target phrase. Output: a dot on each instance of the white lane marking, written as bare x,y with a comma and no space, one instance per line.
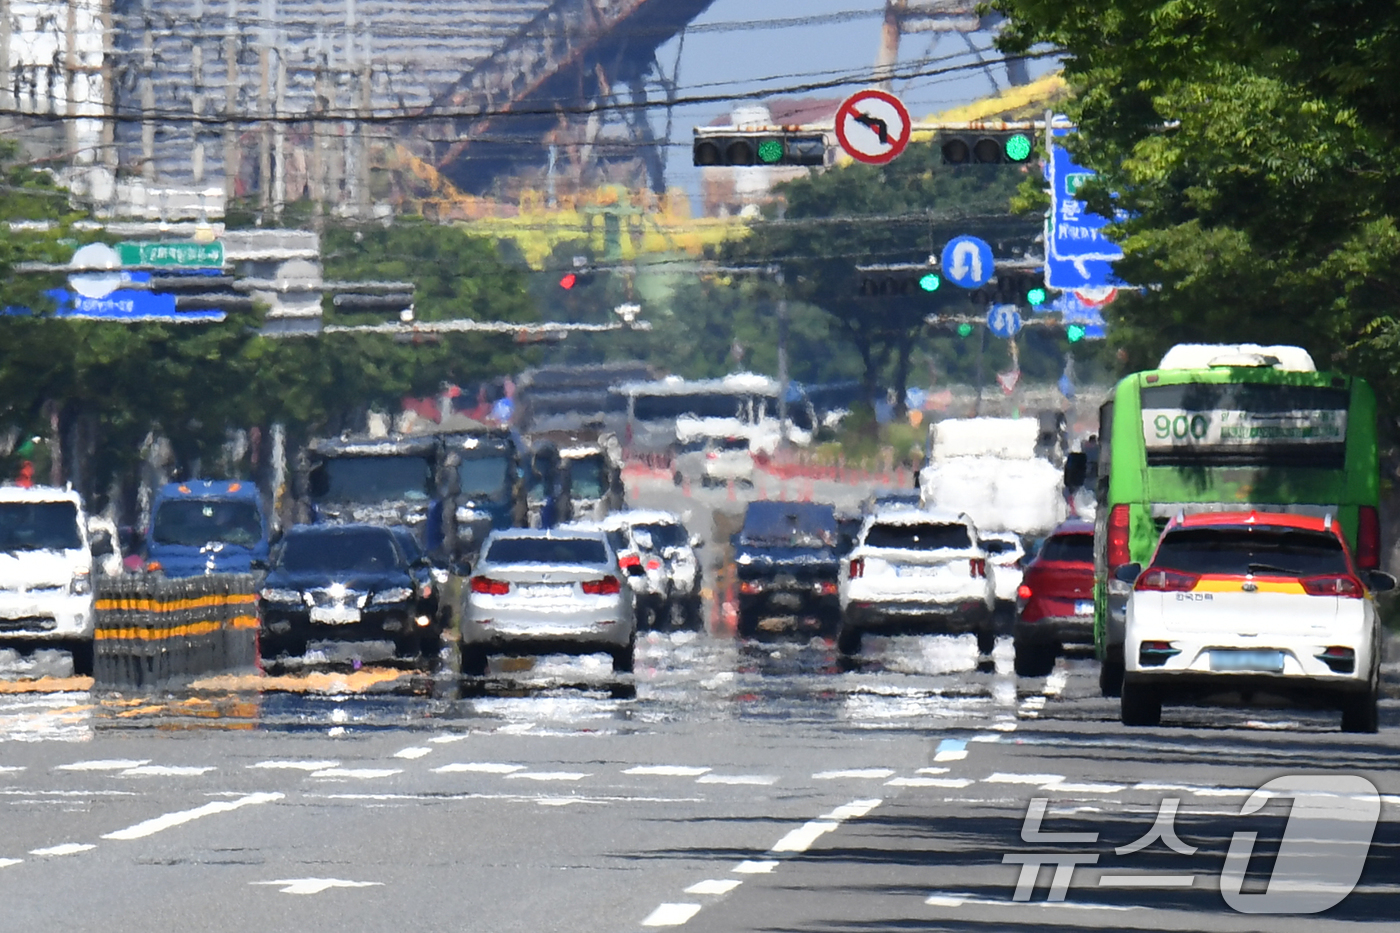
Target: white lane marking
992,738
1147,785
960,900
853,774
671,915
160,823
1034,702
1070,788
67,848
1040,779
446,739
852,811
334,731
801,839
667,770
954,783
362,774
168,771
952,755
1147,881
1055,683
932,771
478,767
413,752
10,769
296,765
737,779
1004,725
7,862
754,867
945,900
524,798
714,887
549,775
104,764
516,728
316,885
1391,799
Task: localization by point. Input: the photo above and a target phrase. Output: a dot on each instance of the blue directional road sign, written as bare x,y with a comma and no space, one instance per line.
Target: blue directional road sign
1077,254
1004,320
967,262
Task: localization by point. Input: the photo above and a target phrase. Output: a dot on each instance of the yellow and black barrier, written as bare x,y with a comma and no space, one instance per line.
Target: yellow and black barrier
156,632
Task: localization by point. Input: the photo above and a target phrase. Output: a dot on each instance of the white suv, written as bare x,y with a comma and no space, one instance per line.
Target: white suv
917,572
46,572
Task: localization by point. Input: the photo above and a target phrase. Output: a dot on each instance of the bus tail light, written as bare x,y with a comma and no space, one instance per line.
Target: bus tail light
1368,538
1344,585
1159,580
1118,552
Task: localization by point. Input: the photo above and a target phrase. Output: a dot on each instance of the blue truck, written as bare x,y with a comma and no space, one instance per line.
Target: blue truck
482,483
206,526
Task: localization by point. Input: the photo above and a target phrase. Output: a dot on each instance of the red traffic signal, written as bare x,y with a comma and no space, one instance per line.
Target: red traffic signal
568,281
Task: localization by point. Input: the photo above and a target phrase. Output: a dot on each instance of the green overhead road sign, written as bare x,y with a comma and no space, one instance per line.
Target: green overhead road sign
183,255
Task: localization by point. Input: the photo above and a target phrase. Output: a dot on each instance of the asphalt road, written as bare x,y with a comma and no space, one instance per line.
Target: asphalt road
744,787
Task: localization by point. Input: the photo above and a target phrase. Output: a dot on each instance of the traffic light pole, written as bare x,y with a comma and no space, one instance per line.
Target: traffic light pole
782,358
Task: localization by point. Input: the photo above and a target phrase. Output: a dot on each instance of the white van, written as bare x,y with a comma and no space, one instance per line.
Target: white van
46,573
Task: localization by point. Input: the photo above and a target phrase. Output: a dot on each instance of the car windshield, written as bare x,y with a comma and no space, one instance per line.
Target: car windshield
408,544
483,477
926,536
376,479
588,476
39,526
1260,550
340,551
789,524
998,546
548,551
1077,549
196,522
664,534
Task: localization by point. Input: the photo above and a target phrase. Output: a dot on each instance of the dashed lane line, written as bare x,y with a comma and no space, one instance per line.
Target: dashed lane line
950,750
413,753
358,774
296,765
548,775
755,779
1038,779
755,866
667,770
7,862
801,839
951,783
168,771
854,774
671,915
478,767
67,848
316,885
714,886
167,821
104,764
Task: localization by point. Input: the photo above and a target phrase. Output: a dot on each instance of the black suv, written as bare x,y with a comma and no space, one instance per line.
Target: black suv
345,583
786,558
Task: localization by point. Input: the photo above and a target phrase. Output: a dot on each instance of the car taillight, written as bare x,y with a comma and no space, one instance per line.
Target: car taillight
827,588
629,560
490,587
608,586
1158,580
1118,552
1368,538
712,455
154,567
653,564
857,567
977,566
749,587
1023,592
1343,584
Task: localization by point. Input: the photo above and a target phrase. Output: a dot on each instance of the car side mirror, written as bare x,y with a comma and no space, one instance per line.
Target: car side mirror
1380,582
1127,573
258,563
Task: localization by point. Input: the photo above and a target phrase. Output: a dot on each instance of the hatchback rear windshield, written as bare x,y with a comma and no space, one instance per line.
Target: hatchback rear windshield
1078,549
664,534
548,551
922,537
1263,551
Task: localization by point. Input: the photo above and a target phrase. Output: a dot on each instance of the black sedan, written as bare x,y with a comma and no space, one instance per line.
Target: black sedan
344,583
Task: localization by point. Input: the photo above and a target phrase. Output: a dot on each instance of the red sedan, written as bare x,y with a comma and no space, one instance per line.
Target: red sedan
1055,604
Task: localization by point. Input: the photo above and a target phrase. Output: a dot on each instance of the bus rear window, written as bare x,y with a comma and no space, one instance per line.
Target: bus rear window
1245,424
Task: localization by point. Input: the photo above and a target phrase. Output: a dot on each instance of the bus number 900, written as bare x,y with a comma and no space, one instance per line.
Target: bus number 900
1182,427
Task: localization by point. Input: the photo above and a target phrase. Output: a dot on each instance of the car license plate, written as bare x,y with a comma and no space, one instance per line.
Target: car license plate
1270,662
545,590
915,571
1084,607
786,600
335,615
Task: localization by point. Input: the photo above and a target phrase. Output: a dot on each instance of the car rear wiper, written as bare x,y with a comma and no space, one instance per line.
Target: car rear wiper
1270,568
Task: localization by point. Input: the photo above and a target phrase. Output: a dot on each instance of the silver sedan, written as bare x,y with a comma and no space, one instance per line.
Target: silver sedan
547,592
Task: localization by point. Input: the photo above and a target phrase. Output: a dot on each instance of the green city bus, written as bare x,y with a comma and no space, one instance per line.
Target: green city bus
1218,428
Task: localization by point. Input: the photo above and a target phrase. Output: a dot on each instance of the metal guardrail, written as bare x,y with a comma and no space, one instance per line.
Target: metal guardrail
153,632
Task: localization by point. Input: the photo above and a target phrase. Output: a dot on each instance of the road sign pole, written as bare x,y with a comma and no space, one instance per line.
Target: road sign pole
981,352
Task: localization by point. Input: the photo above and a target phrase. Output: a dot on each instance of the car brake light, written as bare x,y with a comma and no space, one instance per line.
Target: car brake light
153,567
1159,580
857,567
653,564
1368,538
490,587
977,566
827,588
749,587
1342,584
1118,552
608,586
1023,592
629,560
712,455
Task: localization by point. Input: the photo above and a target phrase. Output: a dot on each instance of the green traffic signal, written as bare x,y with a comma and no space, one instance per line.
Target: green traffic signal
1036,297
1018,148
771,151
1075,332
930,282
964,330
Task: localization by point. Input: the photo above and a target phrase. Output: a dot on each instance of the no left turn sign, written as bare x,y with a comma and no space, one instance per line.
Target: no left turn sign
873,126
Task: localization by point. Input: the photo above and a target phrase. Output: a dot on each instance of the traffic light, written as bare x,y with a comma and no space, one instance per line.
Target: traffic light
992,147
759,147
964,329
1019,287
1075,332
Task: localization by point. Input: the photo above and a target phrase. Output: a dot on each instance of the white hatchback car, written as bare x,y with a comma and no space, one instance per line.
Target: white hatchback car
916,572
547,592
1249,608
714,461
1005,552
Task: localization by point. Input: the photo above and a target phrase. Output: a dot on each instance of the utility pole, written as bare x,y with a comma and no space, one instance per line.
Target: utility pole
888,56
231,160
782,358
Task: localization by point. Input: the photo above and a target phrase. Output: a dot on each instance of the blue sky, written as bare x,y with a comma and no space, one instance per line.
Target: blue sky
722,57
